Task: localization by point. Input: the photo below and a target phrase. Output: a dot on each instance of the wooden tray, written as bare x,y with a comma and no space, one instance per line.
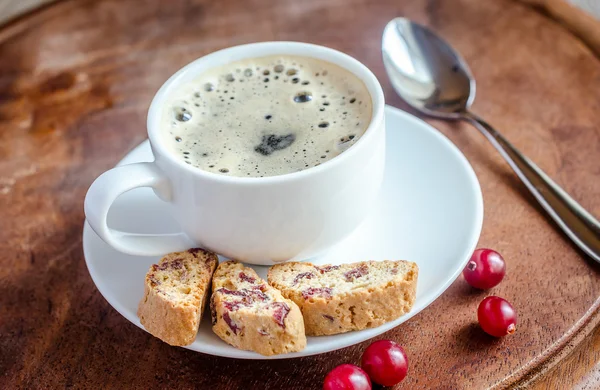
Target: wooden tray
76,79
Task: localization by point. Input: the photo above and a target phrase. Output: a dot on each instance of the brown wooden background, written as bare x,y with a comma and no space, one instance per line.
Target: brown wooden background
76,79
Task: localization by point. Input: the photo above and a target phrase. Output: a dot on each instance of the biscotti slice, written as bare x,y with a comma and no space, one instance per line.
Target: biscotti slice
340,298
175,293
249,314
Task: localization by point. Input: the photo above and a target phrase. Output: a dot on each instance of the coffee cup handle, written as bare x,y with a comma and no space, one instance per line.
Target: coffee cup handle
107,188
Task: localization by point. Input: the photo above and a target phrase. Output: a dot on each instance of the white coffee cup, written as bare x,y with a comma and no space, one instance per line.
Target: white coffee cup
258,220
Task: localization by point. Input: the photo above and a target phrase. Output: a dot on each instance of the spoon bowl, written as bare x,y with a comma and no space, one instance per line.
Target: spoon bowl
425,71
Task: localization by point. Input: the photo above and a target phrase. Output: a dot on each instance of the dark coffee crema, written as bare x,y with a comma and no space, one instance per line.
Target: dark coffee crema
266,116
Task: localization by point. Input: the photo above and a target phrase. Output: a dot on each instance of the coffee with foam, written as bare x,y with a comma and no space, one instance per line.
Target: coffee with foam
266,116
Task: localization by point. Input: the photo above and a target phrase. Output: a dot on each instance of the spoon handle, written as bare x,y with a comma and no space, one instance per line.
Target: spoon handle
570,216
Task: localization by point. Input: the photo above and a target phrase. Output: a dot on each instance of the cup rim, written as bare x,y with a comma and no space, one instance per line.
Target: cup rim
276,47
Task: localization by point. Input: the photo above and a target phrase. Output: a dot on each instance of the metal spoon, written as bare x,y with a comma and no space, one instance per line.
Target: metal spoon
430,76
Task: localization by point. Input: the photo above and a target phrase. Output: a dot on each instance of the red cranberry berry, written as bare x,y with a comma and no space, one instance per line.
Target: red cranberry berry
497,317
386,363
485,269
347,377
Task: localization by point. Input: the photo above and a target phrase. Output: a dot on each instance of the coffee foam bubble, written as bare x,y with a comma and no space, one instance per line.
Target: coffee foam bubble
266,116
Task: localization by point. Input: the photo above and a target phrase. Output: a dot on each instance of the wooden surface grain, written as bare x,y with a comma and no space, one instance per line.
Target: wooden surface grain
13,8
76,79
579,370
582,24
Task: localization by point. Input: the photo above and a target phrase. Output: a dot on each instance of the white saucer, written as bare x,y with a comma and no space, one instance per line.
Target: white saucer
430,211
